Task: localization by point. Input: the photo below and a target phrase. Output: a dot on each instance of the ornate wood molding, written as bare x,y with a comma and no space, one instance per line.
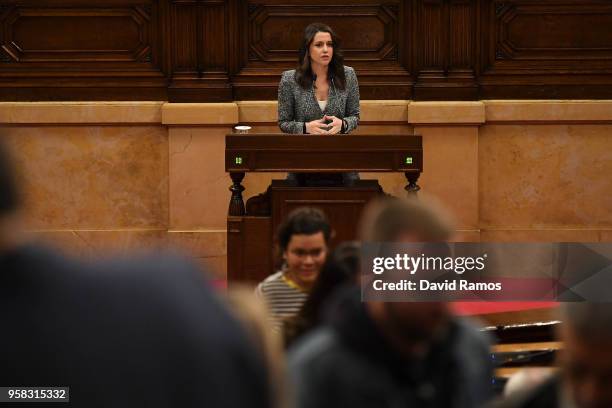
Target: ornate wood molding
223,50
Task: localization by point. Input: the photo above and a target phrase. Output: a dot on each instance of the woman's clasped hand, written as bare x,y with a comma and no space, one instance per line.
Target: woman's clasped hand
327,125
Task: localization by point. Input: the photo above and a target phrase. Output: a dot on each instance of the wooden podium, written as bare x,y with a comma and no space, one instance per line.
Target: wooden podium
251,229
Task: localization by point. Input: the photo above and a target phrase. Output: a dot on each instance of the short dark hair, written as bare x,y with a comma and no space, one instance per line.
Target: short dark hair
306,221
8,189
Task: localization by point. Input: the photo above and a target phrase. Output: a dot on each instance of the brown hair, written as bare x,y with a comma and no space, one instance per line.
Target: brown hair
9,199
386,219
253,313
335,74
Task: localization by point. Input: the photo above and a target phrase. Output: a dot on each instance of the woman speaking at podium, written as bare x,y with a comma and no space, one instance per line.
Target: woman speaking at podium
320,96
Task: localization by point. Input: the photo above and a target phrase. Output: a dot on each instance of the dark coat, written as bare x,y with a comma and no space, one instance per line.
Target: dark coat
143,332
350,364
545,395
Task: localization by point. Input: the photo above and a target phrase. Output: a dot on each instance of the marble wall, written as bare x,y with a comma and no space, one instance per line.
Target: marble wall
100,176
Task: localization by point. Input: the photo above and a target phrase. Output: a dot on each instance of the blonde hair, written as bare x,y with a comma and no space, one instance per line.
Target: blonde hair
252,312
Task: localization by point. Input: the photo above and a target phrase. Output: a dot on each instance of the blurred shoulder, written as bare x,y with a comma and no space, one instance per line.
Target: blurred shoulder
163,278
321,350
156,266
349,71
314,349
322,357
37,267
275,277
288,75
271,282
469,333
544,395
166,289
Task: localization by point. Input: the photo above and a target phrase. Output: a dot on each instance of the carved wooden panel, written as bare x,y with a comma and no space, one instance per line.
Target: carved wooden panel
462,38
555,35
200,44
215,46
433,34
81,50
221,50
565,47
445,39
185,36
48,34
275,31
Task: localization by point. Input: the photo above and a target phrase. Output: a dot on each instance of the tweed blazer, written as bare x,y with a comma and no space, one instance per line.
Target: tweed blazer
297,106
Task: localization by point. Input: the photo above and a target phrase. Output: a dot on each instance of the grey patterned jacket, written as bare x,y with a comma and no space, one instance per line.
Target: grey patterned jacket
297,106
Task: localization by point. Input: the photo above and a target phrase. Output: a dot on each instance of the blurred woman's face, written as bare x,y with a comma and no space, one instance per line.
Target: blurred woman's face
305,255
321,49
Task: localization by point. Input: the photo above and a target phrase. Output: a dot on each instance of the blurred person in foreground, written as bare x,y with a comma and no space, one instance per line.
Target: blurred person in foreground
341,269
525,379
585,378
384,354
302,239
251,311
121,333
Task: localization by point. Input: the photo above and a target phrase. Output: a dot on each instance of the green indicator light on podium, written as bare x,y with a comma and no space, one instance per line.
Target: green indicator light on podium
238,159
408,160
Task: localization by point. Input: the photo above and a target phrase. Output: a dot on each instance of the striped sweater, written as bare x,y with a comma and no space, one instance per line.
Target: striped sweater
284,299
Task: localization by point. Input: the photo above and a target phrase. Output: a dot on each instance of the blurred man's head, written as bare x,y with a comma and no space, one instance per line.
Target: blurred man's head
405,220
408,220
10,231
303,240
586,358
8,190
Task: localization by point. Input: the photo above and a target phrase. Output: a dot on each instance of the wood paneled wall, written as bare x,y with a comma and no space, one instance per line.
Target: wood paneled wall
223,50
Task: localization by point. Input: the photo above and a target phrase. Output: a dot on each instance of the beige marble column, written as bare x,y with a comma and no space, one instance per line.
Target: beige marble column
99,176
546,171
198,184
93,175
450,146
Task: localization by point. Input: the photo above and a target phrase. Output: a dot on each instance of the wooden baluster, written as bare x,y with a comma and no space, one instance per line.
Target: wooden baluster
412,187
236,204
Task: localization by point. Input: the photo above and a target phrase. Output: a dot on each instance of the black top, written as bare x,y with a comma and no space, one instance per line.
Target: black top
435,371
546,395
349,362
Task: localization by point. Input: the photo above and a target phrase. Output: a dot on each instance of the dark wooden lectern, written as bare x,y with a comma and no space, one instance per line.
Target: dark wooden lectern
250,230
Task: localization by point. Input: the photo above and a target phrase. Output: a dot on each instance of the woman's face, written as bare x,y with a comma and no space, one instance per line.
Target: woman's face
321,49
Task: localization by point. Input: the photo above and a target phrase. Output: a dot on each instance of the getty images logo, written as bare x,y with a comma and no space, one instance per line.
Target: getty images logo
412,264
